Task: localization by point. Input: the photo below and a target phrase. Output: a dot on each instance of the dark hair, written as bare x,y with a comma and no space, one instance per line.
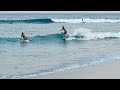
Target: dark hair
22,33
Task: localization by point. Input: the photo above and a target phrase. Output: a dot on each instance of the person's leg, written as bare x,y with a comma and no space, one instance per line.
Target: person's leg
64,36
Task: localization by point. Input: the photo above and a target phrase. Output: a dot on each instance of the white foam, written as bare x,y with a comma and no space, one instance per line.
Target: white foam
87,34
88,20
25,41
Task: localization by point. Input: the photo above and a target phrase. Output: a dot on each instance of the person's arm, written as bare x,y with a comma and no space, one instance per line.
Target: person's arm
21,36
61,29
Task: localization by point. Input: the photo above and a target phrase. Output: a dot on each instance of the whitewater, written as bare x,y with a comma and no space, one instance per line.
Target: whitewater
94,40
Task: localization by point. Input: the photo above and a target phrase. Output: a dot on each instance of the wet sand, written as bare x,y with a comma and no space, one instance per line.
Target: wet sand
104,70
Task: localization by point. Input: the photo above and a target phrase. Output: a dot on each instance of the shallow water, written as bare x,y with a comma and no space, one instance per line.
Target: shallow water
94,41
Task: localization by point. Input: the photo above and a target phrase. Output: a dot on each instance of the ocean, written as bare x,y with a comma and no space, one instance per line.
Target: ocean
94,40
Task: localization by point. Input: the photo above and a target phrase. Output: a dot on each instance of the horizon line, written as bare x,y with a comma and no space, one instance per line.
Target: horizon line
59,11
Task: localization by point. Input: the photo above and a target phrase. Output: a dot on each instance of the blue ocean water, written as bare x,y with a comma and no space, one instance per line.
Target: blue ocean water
94,41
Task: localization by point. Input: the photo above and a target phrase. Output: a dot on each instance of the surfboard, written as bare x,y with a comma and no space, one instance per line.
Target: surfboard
64,39
67,36
25,40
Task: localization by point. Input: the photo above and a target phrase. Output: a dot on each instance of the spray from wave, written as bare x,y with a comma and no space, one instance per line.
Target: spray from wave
87,34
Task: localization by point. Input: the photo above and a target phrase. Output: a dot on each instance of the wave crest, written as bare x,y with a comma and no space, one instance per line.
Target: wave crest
78,34
47,20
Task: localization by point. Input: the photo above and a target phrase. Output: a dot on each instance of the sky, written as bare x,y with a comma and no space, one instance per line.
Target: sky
59,11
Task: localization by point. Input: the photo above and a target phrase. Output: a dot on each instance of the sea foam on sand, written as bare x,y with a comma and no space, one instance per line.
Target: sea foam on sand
104,70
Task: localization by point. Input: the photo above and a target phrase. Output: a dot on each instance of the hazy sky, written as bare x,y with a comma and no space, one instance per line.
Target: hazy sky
59,11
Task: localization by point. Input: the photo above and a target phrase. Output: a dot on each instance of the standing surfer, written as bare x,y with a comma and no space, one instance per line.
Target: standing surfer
82,20
65,32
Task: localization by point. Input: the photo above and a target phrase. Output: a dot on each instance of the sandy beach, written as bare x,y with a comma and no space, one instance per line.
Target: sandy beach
104,70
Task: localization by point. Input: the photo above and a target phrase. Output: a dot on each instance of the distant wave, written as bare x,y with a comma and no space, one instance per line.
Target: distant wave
47,20
78,34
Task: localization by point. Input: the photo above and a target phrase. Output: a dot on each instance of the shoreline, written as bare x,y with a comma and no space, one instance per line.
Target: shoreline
103,70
